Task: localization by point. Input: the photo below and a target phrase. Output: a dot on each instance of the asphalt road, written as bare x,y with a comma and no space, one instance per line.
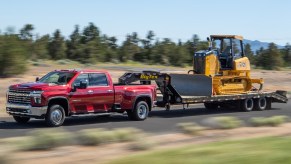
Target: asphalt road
159,121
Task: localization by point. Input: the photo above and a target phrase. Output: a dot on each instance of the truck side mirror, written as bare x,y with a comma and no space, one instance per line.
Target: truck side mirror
36,79
83,85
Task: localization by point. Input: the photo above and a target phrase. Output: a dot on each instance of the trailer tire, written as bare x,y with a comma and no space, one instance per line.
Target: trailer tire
141,111
211,106
247,104
21,120
269,103
55,116
261,103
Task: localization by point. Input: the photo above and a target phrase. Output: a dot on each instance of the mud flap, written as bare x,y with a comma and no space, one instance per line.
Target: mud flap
192,85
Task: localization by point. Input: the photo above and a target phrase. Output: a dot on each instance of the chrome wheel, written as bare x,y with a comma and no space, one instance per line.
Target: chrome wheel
139,112
56,116
142,111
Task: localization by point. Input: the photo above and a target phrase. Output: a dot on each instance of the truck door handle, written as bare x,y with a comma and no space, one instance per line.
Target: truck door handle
90,91
109,91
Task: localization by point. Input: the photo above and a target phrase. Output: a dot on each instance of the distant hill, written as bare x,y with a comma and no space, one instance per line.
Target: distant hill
256,45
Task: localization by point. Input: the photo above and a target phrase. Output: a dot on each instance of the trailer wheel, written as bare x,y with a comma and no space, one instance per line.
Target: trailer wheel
247,105
55,116
21,120
261,103
211,106
141,111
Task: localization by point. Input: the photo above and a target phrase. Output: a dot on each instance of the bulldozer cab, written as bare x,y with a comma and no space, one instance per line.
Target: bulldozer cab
229,47
221,55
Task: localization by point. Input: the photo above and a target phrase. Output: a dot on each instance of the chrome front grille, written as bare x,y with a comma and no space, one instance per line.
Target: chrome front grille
24,91
20,96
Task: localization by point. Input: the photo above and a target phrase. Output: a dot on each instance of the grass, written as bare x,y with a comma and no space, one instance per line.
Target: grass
45,139
190,128
269,121
223,122
268,150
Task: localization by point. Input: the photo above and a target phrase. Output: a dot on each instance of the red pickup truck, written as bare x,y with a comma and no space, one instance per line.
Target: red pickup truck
64,93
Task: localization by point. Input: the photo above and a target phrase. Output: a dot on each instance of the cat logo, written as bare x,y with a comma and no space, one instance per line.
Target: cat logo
148,77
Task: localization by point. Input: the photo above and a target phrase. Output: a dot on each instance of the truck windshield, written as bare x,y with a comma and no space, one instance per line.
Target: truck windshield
59,78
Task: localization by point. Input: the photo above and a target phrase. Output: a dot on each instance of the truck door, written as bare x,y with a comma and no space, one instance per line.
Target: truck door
78,99
102,93
97,97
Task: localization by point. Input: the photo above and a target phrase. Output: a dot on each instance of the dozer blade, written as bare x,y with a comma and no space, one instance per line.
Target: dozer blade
192,85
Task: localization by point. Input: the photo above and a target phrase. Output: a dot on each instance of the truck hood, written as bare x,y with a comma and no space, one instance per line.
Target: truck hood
38,86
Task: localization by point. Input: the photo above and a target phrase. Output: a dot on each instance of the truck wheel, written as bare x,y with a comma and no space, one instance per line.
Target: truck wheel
261,103
55,116
247,105
141,111
21,120
211,106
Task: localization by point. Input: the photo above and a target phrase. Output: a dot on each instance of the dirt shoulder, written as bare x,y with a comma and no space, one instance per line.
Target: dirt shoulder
107,153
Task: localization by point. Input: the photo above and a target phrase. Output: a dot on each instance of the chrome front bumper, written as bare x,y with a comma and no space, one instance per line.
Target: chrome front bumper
25,110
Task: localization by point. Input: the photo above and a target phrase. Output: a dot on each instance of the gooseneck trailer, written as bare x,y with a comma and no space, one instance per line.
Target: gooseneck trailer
183,89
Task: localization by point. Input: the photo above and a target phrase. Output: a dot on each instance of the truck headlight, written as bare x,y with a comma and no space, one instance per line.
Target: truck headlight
36,95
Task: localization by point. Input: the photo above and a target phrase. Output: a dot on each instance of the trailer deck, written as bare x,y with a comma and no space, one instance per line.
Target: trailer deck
275,96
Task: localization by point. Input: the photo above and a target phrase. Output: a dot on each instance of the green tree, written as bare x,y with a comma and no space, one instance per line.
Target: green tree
270,58
248,52
287,55
90,33
26,36
40,47
12,55
147,45
129,49
110,48
73,45
56,46
26,32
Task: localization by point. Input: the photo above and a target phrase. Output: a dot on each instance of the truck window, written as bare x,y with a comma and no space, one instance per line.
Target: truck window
59,78
98,79
81,77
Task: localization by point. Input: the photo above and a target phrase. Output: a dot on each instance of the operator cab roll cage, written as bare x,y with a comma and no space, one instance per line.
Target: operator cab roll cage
226,53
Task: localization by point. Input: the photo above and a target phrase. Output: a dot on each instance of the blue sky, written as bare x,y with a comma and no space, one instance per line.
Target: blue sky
264,20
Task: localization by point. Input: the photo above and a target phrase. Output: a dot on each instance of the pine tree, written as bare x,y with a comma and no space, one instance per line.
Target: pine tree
287,55
270,58
248,52
56,46
40,47
73,45
12,55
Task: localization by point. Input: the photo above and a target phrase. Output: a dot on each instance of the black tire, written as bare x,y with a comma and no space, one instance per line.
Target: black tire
55,116
140,111
269,103
130,114
211,106
247,105
21,120
261,103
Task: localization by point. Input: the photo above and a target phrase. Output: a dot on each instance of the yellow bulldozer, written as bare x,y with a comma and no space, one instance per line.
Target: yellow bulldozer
226,64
